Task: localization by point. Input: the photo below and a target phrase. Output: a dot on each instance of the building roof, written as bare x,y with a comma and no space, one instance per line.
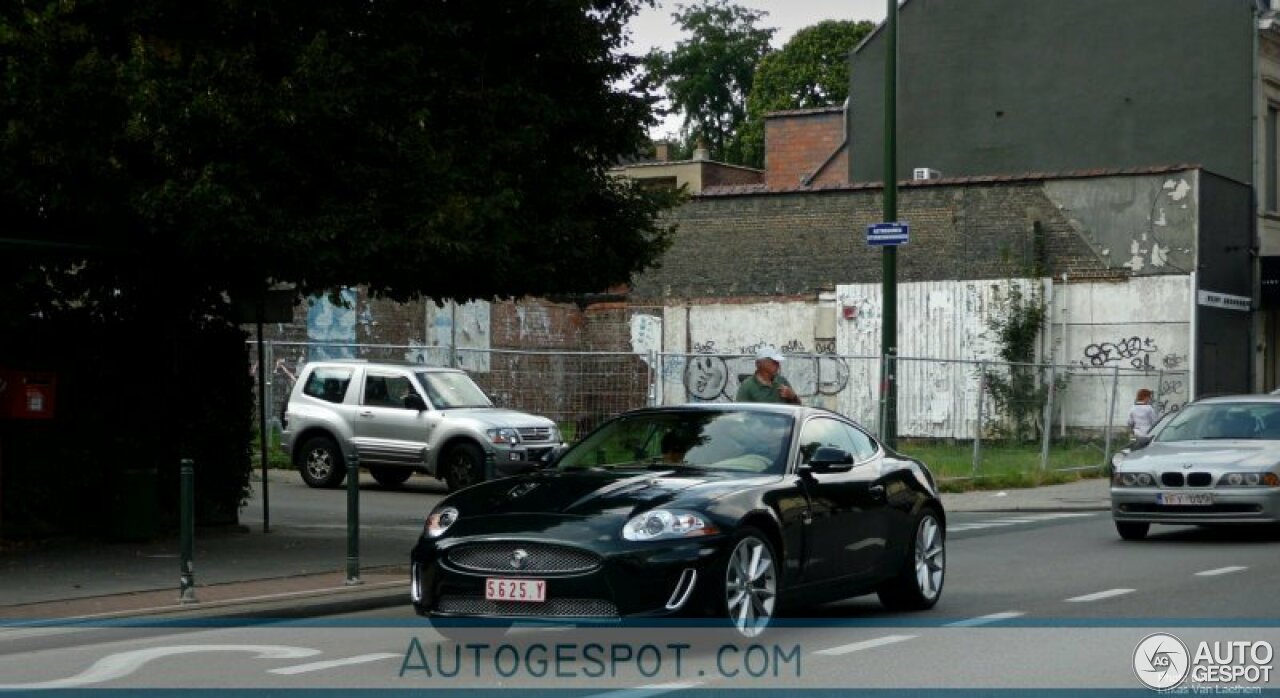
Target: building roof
758,189
804,112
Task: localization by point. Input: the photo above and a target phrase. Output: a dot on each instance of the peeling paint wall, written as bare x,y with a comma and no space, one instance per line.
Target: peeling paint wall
467,325
710,349
327,322
1144,224
1141,327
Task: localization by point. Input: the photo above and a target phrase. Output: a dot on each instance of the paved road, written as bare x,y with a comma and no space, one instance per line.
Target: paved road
1031,601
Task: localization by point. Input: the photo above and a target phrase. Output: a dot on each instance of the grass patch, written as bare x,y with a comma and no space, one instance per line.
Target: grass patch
277,459
1005,465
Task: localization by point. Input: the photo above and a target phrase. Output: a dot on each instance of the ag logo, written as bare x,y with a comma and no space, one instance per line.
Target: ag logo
1160,661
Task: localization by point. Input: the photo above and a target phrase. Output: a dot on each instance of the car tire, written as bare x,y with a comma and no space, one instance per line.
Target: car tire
918,584
748,588
321,463
390,478
1132,530
463,466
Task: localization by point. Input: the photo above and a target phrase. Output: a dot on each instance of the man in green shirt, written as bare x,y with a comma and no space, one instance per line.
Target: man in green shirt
767,385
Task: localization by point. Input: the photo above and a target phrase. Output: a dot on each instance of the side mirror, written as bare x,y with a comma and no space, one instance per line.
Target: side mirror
1140,442
828,459
414,401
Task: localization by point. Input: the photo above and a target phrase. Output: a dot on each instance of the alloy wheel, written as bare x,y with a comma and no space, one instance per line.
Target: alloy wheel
319,464
751,585
931,558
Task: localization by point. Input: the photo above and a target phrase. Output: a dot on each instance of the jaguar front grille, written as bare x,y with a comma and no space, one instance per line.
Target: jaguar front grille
523,558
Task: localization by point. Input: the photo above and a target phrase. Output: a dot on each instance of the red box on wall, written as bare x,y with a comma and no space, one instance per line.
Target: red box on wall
27,394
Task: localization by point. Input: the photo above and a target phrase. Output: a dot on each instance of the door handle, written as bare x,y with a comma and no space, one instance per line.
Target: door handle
366,413
877,491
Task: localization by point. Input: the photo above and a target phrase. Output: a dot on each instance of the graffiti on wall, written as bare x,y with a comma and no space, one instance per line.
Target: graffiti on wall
713,374
329,324
1172,396
1131,352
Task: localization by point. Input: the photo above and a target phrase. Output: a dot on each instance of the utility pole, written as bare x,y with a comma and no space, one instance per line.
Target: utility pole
889,253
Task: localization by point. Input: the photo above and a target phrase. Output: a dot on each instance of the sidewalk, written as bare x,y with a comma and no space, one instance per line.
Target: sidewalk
295,571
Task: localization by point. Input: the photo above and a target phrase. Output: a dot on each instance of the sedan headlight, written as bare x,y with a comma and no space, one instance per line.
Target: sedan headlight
504,436
440,521
1133,480
667,523
1249,480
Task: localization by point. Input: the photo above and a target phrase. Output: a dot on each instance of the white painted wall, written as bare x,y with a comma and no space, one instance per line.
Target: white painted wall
1138,330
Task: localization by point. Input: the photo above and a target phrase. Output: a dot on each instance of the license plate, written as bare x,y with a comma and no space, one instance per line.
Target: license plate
1185,500
532,590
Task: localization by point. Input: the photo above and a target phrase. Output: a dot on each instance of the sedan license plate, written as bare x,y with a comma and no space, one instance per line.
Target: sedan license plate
532,590
1185,500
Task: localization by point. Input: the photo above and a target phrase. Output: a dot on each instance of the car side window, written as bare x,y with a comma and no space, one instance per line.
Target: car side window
386,390
328,384
864,446
825,432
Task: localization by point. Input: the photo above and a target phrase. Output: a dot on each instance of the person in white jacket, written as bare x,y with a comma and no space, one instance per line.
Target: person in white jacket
1142,416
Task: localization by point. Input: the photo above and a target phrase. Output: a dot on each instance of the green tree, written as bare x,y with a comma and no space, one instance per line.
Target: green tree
159,159
449,149
708,76
811,70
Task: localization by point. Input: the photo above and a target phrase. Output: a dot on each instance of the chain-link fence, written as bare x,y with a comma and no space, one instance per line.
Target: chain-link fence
966,419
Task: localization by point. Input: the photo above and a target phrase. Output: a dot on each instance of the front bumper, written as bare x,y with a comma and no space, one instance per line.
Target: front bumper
513,460
634,581
1235,505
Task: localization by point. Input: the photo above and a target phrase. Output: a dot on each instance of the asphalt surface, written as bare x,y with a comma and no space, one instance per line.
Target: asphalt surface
300,561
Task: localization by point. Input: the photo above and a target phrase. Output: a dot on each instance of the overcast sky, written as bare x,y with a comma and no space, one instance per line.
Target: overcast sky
655,28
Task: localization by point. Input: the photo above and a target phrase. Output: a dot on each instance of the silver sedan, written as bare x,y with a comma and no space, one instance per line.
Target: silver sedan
1215,462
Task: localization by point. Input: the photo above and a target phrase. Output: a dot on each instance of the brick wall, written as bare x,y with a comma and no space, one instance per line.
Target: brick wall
715,174
798,143
798,243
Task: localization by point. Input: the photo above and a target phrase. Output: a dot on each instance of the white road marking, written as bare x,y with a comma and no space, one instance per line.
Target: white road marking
865,645
983,620
1100,595
121,664
652,690
320,666
1013,521
1220,570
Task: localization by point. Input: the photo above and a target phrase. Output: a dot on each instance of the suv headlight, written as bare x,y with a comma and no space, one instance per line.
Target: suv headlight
504,436
1133,480
1249,480
667,523
439,521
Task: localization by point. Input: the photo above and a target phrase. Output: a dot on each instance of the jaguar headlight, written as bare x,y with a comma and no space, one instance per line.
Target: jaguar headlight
504,436
1249,480
439,521
667,523
1132,480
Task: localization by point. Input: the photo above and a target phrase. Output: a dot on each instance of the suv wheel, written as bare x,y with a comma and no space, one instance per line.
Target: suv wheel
321,463
390,478
463,466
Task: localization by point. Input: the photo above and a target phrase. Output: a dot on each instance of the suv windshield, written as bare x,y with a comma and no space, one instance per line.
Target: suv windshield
1223,420
755,442
450,390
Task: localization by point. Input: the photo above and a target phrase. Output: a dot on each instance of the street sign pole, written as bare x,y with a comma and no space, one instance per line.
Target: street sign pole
889,253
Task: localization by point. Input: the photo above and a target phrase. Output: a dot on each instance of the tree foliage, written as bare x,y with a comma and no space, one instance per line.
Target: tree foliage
448,149
708,76
811,70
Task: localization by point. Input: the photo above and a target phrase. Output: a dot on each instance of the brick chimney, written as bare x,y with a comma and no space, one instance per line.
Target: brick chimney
662,151
805,147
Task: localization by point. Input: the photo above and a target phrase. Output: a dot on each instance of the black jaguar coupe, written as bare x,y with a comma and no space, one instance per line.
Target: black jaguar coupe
726,510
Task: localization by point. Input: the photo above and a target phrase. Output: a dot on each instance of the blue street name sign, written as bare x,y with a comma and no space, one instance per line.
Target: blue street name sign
887,233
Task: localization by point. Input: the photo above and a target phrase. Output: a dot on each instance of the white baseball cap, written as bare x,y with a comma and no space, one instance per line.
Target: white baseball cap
768,352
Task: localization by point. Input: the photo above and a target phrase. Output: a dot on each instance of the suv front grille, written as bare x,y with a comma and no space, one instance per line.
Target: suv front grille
551,608
535,433
537,558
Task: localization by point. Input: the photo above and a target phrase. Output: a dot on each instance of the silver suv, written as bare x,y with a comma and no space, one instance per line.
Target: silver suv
405,418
